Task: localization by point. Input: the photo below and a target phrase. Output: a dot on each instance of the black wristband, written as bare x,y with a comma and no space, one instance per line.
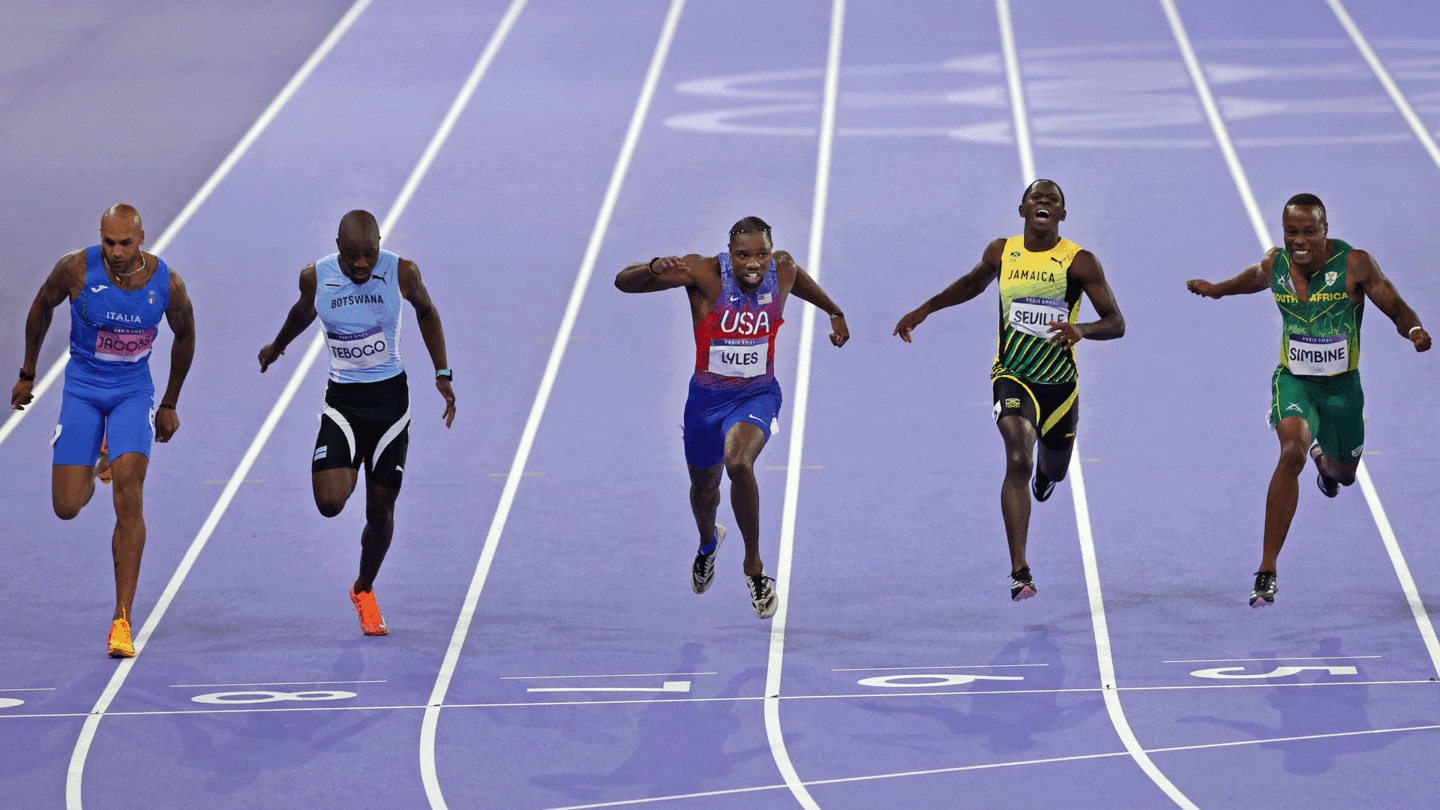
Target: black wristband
652,266
26,377
163,405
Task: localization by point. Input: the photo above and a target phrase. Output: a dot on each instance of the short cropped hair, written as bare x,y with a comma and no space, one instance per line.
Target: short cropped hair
1026,192
1306,199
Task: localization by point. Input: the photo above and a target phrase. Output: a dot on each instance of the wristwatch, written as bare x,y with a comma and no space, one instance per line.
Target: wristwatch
446,373
26,376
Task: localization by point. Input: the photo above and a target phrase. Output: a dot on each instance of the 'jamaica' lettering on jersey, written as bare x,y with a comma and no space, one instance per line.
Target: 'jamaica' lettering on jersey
351,300
1036,290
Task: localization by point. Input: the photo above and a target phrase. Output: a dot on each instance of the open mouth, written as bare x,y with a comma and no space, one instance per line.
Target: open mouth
1043,215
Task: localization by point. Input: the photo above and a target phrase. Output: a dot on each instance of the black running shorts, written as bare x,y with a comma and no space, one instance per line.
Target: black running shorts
365,423
1054,410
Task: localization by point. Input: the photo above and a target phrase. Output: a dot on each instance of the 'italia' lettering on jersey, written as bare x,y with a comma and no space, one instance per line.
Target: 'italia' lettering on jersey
124,317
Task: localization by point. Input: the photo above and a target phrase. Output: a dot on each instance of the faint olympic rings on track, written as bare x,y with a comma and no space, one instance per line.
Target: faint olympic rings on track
267,696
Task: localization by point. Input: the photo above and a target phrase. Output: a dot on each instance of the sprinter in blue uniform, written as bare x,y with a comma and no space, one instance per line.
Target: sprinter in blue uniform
118,294
366,418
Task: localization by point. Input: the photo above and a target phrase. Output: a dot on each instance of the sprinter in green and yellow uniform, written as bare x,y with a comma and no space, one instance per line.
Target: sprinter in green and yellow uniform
1320,285
1033,380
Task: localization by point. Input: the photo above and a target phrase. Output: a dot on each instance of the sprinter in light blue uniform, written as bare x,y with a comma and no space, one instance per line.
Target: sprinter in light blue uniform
357,293
118,294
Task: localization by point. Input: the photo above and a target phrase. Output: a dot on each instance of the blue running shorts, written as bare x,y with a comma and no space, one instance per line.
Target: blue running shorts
711,411
91,411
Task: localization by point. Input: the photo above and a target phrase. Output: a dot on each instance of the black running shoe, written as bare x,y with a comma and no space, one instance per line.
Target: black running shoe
1042,486
1327,485
1265,588
762,595
1022,585
703,571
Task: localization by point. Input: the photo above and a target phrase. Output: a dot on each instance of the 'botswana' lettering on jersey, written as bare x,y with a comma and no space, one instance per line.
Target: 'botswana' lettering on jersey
362,324
735,343
351,300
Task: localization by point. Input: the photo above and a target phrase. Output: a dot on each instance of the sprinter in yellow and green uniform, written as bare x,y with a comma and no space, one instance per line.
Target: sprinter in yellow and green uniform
1033,380
1320,285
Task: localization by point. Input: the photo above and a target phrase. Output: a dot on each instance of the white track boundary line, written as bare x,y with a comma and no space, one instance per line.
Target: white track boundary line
1237,171
1416,125
1082,506
1382,521
428,726
1017,89
775,661
75,775
209,186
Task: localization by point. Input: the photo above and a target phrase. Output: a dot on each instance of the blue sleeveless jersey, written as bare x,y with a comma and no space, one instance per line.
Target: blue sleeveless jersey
112,330
361,321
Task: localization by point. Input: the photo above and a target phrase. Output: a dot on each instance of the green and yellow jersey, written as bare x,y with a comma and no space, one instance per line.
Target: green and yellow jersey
1036,290
1320,337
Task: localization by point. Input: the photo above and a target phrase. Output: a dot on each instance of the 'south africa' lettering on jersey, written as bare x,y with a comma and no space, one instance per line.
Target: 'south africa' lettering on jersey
1320,335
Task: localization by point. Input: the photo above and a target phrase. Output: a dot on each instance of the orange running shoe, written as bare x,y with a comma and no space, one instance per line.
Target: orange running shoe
102,465
371,622
119,641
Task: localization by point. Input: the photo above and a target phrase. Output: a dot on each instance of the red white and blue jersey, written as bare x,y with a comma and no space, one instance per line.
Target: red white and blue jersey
112,330
735,343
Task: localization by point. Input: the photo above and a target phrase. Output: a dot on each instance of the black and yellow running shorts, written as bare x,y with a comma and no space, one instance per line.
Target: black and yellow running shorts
1333,407
1054,410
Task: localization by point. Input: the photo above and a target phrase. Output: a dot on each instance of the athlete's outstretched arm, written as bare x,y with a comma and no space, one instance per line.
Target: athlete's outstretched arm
963,289
660,273
427,317
1363,267
806,289
1111,324
181,317
1253,279
301,314
57,288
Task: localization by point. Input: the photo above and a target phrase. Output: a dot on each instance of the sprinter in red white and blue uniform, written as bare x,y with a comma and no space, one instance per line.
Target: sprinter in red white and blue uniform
357,292
118,293
737,303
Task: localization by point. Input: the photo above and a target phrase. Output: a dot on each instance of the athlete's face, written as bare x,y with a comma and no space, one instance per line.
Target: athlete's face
120,241
1305,234
1043,208
749,259
358,254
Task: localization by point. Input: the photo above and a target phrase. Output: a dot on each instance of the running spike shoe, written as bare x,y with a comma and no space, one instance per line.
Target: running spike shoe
102,464
1265,588
1327,485
1022,585
762,594
119,642
371,622
1042,485
703,571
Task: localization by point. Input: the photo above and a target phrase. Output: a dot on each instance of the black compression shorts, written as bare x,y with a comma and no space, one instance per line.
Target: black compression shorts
1054,410
365,423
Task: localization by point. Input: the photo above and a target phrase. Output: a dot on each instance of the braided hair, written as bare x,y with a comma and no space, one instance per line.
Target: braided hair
750,225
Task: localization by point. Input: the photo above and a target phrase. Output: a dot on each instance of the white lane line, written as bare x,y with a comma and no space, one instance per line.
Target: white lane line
28,689
966,666
640,675
1291,658
651,701
277,683
210,184
537,410
1382,521
1416,125
1237,171
775,661
670,686
1017,89
75,775
992,765
1082,510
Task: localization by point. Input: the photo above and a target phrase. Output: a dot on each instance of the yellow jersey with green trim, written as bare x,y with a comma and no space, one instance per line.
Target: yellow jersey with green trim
1320,337
1036,289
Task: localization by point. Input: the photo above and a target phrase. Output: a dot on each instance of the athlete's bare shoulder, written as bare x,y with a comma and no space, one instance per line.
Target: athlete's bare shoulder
68,276
307,279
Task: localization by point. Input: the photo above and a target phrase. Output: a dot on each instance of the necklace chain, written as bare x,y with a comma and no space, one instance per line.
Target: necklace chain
132,272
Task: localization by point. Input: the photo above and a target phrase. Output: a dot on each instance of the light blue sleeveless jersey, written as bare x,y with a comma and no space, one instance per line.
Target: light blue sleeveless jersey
361,321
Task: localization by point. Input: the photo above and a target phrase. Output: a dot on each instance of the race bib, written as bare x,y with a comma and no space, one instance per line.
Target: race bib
1033,316
360,350
738,358
121,345
1317,357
